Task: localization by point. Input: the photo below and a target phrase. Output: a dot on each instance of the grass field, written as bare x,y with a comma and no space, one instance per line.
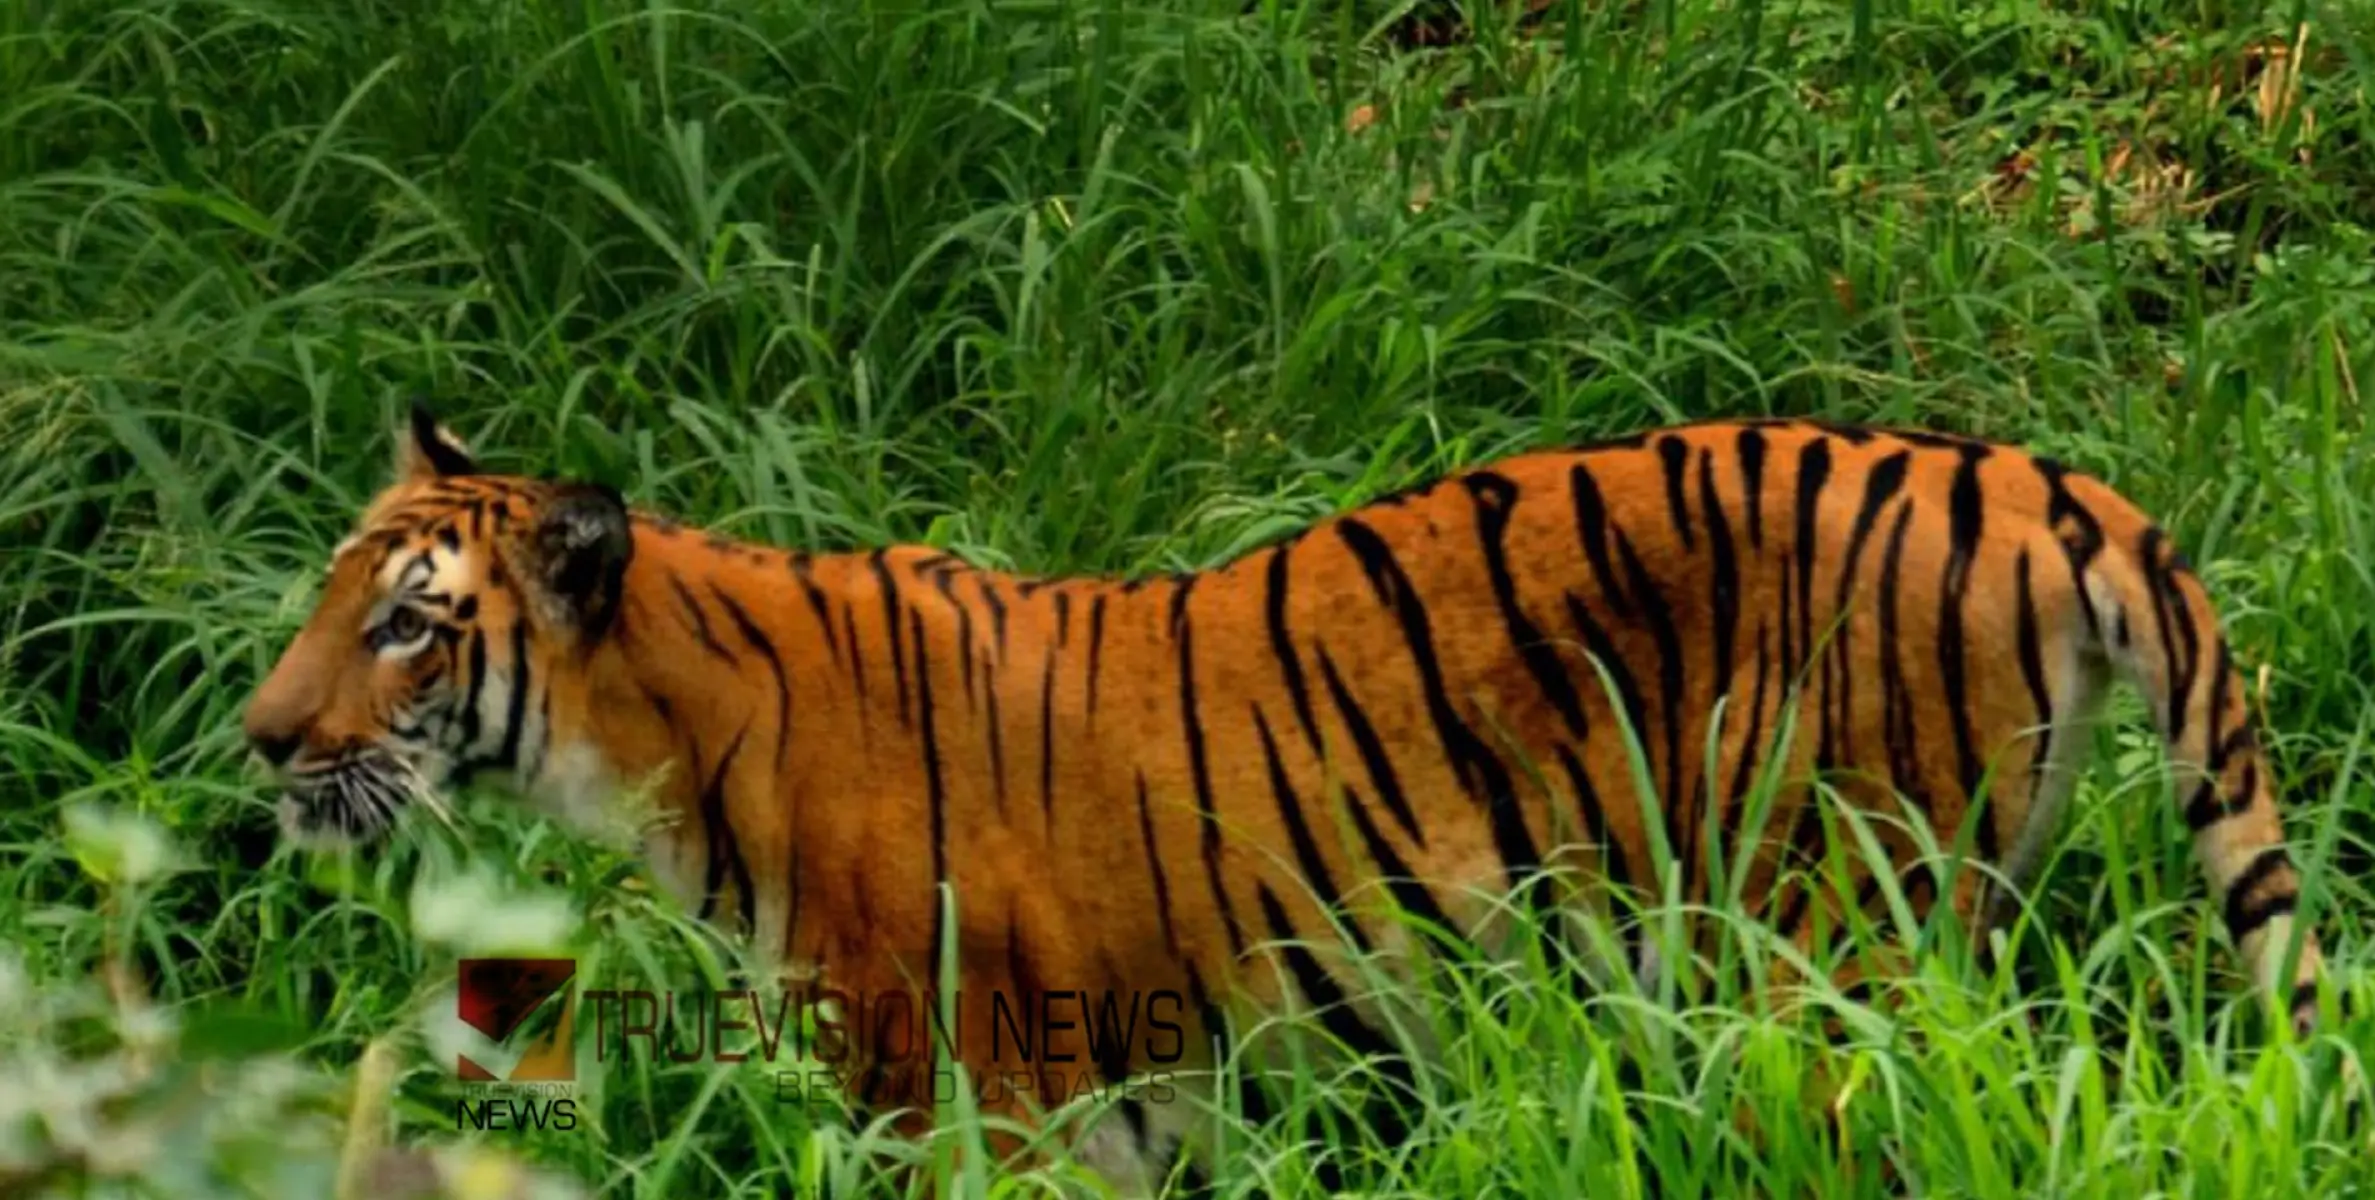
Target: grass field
1111,285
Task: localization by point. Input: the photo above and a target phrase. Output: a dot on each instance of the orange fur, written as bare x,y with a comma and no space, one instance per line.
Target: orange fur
1135,785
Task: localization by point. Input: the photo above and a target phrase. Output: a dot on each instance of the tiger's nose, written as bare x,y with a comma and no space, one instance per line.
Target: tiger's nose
277,749
273,741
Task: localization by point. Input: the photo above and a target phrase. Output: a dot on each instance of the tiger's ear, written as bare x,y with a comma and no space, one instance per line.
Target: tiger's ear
573,559
431,450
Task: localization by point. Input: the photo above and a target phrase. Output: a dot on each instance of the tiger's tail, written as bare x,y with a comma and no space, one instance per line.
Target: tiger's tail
2155,622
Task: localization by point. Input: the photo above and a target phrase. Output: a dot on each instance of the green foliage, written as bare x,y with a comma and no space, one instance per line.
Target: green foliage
1098,284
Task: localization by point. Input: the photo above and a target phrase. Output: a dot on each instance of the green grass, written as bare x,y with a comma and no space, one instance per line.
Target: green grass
1095,284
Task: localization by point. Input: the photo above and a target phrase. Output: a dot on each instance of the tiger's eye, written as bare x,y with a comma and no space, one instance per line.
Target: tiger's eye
403,625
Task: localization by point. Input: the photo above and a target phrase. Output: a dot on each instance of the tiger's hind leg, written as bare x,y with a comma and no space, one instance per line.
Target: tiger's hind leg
1856,913
1131,1148
2039,767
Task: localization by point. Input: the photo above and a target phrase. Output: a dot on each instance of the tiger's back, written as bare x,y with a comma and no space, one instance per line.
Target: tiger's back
1459,668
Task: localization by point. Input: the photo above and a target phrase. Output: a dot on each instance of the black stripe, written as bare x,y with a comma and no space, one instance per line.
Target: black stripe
2187,630
1182,586
478,681
2147,552
1096,651
857,662
1814,474
544,709
1481,774
2061,505
1752,746
2244,917
1896,702
1211,1016
1047,740
997,606
1885,480
1115,1070
1674,458
1154,863
2303,1009
870,1083
1405,887
1334,1015
1628,689
1750,445
1920,887
1931,439
997,747
1371,748
2083,541
1865,893
1282,643
1725,594
1591,528
1805,853
2222,676
2207,808
515,712
935,792
1307,855
1192,721
944,582
2239,740
659,704
725,850
1615,862
1019,975
1627,441
890,628
699,620
1660,618
1724,600
1110,1044
816,604
783,688
1966,511
1915,882
1854,435
1495,497
1063,617
2032,667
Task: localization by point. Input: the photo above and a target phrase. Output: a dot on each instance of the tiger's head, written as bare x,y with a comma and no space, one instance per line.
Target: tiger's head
442,626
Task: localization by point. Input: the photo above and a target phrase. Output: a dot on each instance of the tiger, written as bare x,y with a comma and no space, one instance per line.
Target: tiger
1177,784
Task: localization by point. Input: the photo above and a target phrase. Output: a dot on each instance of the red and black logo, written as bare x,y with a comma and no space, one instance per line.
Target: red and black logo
497,996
